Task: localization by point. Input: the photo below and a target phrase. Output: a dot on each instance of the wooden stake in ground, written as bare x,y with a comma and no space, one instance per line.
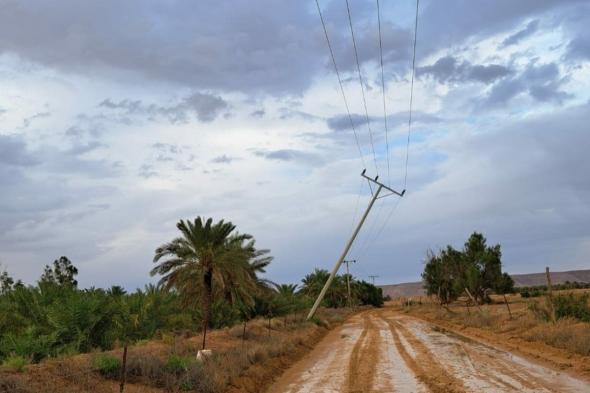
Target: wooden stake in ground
507,306
550,294
123,370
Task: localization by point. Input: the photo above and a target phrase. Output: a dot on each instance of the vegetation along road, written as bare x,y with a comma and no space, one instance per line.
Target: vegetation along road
384,351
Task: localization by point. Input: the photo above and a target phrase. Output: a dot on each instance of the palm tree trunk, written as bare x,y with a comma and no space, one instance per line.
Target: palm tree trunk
207,295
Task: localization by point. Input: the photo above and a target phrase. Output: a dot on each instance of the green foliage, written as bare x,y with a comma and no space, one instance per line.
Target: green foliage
368,294
6,283
477,268
177,364
107,366
55,317
336,295
15,363
362,292
210,261
572,306
62,274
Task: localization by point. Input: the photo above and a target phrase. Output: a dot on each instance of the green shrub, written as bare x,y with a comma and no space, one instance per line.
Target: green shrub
107,366
177,364
574,306
15,363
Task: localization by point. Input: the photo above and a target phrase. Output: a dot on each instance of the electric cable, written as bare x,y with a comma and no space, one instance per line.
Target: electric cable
383,93
358,67
341,85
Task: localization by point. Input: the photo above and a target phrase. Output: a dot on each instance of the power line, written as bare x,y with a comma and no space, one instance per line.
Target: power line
383,91
342,87
411,93
356,207
363,250
360,251
358,67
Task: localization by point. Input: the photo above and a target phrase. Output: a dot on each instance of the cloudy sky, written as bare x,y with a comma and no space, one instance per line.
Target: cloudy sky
117,119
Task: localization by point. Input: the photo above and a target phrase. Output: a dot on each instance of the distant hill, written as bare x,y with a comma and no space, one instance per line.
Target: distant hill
410,289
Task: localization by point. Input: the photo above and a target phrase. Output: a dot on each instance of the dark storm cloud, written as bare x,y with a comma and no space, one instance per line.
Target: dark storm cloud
146,171
13,151
242,45
579,48
342,122
515,38
83,148
28,120
206,107
258,113
289,155
37,183
263,46
449,69
452,22
541,82
223,159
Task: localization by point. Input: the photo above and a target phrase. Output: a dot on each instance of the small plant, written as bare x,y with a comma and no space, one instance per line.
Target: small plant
15,363
177,364
107,366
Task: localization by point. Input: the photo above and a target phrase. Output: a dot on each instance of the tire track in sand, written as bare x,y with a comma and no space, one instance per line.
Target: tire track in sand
483,367
361,372
434,377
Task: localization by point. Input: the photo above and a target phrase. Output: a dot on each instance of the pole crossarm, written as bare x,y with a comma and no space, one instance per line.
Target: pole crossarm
376,181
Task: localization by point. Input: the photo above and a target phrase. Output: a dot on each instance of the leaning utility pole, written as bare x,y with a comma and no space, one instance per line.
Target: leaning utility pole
348,281
373,279
354,234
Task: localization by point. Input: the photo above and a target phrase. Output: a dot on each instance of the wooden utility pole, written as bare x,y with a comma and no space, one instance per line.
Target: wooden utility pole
348,281
550,294
375,196
373,279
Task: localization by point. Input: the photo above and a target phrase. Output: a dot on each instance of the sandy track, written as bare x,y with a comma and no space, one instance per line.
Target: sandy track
382,351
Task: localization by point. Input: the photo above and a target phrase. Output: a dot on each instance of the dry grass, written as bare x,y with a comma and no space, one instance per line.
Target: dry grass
568,334
529,321
169,364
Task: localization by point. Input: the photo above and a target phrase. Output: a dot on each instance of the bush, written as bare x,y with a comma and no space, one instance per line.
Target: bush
15,363
107,366
572,306
177,364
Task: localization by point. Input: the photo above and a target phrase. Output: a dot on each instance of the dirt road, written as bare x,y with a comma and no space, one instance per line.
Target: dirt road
383,351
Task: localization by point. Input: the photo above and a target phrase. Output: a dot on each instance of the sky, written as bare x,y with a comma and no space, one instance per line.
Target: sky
117,119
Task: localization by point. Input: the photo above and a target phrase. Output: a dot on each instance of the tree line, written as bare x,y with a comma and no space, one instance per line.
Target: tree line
475,272
210,276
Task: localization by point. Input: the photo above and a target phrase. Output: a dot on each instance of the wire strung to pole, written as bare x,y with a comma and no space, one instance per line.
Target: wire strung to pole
342,87
383,91
358,67
356,207
411,93
363,249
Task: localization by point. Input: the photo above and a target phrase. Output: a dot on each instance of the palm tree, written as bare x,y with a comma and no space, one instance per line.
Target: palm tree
208,254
